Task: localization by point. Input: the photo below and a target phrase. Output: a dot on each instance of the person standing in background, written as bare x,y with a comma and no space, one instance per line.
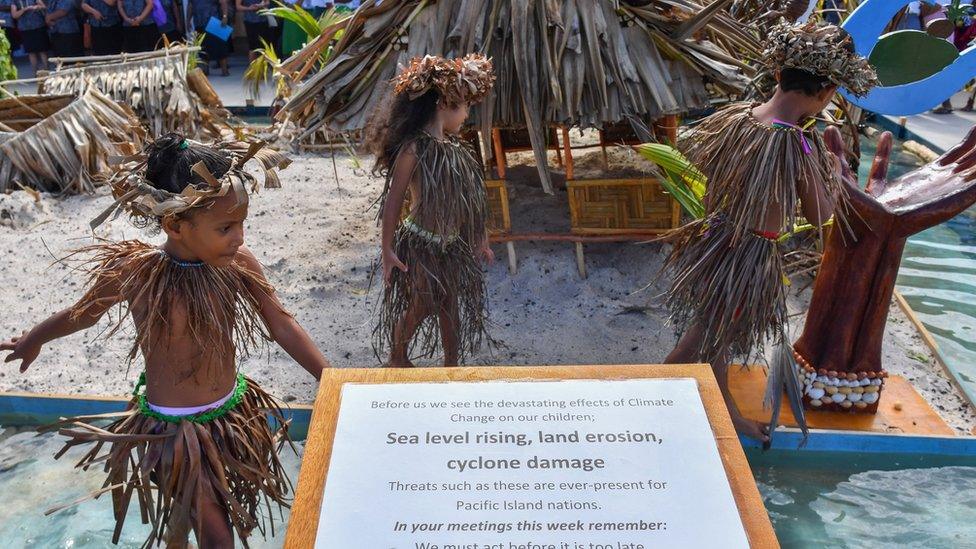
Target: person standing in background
214,49
316,7
256,26
173,28
29,16
8,25
106,26
65,31
292,36
139,31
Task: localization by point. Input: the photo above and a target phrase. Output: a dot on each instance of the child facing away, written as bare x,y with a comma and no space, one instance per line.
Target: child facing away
195,447
434,285
728,294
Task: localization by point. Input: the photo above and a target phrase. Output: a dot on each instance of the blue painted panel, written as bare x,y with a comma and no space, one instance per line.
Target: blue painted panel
876,443
866,24
41,410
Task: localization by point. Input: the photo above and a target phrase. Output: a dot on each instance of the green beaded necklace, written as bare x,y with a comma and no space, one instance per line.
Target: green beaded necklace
203,417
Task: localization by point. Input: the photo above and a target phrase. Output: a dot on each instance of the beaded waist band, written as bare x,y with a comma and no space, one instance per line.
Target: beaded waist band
209,413
410,225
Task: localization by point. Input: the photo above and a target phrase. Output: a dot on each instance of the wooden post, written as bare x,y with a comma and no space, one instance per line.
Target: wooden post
512,260
603,149
559,154
569,153
496,140
667,127
580,260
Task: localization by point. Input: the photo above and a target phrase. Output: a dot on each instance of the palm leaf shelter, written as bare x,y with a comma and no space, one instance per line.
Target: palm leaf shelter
587,64
571,63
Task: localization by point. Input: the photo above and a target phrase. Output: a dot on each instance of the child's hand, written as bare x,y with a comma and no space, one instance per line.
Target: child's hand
391,261
24,349
485,254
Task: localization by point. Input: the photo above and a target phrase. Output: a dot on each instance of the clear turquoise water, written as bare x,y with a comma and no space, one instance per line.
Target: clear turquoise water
849,500
32,481
938,279
815,500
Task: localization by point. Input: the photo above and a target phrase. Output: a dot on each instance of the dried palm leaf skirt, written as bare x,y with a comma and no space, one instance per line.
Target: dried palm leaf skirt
444,278
734,290
171,467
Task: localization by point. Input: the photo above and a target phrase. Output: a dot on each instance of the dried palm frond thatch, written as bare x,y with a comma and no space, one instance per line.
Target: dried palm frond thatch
583,63
62,142
154,85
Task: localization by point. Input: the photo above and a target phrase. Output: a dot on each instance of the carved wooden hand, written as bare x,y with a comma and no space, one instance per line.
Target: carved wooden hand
854,285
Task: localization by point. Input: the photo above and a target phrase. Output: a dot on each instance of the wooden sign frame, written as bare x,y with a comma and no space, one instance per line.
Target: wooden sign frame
303,525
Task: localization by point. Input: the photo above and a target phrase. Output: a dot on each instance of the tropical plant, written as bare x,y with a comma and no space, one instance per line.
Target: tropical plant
268,64
681,178
193,58
7,69
261,70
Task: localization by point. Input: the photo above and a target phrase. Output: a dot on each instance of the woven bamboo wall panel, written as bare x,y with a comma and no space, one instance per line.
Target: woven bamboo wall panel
499,218
607,206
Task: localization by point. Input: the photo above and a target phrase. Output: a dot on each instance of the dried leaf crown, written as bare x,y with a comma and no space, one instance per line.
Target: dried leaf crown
134,194
820,49
465,79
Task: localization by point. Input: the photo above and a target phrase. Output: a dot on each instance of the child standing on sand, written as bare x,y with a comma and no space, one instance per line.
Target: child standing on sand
433,282
194,447
728,294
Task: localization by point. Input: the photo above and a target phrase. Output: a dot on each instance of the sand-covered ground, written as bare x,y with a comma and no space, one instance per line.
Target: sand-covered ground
317,239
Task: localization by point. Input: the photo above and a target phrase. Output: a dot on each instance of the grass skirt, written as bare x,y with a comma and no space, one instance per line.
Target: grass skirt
443,278
171,467
734,290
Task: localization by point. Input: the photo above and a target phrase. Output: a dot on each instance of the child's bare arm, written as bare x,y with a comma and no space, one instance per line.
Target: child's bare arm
403,170
63,323
817,204
284,329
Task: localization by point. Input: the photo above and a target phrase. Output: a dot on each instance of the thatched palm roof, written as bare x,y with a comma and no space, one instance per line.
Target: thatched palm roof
63,142
582,63
153,84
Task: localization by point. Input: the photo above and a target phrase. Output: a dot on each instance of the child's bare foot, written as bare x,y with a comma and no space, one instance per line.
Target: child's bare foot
399,363
750,428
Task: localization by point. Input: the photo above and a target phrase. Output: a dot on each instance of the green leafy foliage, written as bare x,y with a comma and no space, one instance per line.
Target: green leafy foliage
7,69
681,178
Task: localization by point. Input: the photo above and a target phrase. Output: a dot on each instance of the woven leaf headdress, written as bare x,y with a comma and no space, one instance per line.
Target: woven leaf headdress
134,194
465,79
821,49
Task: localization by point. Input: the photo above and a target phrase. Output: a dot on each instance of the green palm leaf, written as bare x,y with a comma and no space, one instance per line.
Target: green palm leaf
298,16
681,178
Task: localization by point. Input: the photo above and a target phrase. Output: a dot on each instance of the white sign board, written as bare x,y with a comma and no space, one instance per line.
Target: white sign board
576,464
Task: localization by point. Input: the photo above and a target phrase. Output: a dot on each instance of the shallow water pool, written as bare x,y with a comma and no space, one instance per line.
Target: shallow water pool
852,500
32,481
815,499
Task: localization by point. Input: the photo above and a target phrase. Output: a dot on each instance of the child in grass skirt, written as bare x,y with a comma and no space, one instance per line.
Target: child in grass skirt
728,294
194,446
434,285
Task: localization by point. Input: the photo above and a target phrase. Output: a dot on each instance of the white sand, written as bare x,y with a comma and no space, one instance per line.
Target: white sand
317,243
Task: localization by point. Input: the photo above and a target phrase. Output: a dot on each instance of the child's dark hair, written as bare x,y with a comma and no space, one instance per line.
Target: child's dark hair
805,82
171,158
168,167
394,123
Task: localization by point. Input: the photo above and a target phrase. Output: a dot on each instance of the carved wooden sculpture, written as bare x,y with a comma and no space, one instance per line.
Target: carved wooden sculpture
840,350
